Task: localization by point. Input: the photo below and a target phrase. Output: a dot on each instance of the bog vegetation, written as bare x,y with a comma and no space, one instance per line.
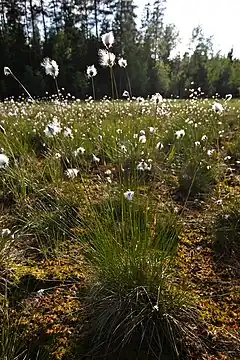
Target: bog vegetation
119,229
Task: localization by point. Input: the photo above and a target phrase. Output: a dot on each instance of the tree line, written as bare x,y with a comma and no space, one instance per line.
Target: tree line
69,31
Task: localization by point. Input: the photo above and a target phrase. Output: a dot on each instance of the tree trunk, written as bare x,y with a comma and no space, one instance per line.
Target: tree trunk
32,20
96,17
43,20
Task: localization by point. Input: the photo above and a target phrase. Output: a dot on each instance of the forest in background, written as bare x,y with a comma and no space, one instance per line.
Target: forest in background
69,31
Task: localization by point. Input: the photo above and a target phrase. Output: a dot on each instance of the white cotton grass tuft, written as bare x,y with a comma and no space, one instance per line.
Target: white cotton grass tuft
106,58
217,107
4,161
129,195
91,71
152,130
52,129
123,148
78,151
122,62
68,132
210,152
157,98
142,139
95,158
51,67
57,155
228,97
108,39
7,71
180,133
71,173
143,165
126,94
108,172
159,146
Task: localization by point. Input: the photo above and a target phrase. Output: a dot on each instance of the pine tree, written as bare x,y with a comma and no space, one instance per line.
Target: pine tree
156,28
44,14
69,32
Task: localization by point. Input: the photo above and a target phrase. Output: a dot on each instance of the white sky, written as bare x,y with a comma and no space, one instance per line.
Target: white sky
220,18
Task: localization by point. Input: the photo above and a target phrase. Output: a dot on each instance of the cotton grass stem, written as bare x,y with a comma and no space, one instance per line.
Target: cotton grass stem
111,78
22,86
115,85
129,83
93,89
189,192
58,92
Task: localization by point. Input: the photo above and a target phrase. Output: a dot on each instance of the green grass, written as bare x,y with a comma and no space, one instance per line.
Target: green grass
227,230
138,299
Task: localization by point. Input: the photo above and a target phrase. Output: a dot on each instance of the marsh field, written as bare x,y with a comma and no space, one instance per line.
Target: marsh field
119,229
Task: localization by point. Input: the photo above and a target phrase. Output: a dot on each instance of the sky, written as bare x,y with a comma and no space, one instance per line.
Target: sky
219,18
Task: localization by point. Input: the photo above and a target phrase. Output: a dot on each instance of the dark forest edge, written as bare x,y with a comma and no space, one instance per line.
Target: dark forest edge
70,33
